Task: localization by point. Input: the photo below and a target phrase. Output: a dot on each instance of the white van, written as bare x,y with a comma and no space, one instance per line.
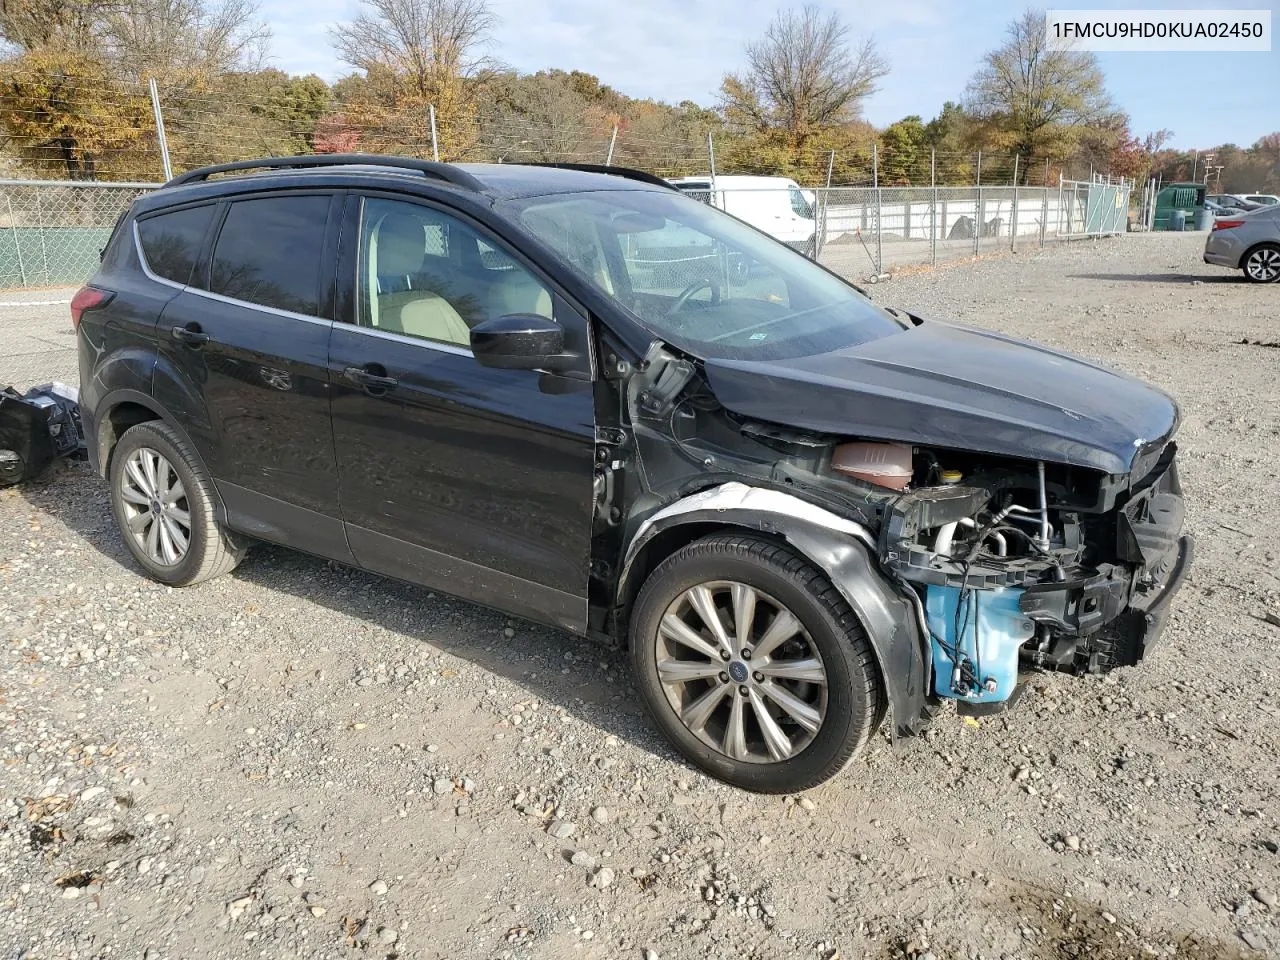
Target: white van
774,205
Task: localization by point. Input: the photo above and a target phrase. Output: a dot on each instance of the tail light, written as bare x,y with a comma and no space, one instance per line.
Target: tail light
1227,224
88,298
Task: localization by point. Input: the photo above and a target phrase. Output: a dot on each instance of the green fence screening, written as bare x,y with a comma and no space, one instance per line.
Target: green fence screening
51,233
1094,209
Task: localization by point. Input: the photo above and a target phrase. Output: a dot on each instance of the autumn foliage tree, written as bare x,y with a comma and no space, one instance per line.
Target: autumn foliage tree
800,94
1036,101
64,116
73,96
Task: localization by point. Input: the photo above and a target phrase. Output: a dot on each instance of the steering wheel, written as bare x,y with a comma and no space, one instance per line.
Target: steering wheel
693,288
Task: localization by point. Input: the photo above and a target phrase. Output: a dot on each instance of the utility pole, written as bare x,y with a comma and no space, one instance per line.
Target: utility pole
164,143
435,143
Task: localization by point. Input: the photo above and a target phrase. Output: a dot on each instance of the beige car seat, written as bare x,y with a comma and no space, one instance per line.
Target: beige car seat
515,291
396,250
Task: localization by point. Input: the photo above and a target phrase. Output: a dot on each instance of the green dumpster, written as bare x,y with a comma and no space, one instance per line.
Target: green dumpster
1186,198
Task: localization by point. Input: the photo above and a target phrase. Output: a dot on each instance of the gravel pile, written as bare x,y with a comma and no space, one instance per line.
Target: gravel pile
300,760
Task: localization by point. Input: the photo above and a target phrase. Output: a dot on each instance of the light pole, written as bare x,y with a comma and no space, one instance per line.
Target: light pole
1208,159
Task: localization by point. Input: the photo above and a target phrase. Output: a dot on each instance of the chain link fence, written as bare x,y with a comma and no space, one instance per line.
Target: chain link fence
1096,208
52,232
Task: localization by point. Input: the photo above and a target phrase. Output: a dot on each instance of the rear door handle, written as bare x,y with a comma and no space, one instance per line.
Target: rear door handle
368,377
191,335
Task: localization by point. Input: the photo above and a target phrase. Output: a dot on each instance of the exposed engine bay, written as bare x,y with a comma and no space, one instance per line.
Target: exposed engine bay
1037,565
999,565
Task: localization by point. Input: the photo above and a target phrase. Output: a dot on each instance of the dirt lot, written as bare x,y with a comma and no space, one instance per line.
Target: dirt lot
300,760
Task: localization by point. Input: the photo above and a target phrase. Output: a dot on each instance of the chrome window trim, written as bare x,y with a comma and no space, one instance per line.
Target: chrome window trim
210,295
405,338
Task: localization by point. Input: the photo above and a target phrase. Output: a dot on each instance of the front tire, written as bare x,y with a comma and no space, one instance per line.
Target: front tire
753,664
1262,264
162,500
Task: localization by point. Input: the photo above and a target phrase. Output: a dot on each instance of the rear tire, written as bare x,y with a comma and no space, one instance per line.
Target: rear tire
792,713
164,505
1262,264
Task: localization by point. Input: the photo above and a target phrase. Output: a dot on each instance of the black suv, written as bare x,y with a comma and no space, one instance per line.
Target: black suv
575,395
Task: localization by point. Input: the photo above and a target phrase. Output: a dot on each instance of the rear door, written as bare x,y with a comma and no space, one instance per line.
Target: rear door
472,480
147,262
243,366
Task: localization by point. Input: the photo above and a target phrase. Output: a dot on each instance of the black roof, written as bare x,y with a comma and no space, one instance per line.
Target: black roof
511,180
496,180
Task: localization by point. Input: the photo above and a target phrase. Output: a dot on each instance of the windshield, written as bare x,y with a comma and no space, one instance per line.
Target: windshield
701,280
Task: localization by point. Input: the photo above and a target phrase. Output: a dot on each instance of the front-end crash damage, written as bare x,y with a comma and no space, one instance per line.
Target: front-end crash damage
964,567
845,551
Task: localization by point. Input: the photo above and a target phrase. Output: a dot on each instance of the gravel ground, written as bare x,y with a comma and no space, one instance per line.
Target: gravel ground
301,760
37,342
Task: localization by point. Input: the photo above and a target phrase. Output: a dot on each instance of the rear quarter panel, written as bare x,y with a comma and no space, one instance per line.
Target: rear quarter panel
117,343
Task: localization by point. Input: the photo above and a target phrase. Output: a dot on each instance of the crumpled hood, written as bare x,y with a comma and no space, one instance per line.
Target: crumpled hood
960,388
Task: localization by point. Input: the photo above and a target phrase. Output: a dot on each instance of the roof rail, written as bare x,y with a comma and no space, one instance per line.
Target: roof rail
626,172
437,171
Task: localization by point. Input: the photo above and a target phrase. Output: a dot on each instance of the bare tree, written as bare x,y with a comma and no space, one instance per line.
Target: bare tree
1038,96
803,75
431,42
176,39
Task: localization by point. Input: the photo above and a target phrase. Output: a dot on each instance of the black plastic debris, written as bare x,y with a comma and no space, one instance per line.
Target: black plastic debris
37,428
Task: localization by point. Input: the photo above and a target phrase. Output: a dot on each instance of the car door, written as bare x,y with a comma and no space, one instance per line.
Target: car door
244,366
472,480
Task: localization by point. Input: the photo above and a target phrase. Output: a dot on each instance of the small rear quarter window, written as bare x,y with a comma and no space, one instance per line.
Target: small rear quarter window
171,242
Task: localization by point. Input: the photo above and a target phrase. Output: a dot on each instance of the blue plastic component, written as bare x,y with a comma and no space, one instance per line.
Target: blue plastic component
992,628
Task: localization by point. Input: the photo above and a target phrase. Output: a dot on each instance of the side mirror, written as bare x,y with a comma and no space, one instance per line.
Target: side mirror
519,341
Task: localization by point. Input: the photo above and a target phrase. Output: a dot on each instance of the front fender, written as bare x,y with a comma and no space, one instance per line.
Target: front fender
844,550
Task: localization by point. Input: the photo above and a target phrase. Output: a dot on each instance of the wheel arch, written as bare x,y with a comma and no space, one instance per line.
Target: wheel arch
1256,247
122,409
840,548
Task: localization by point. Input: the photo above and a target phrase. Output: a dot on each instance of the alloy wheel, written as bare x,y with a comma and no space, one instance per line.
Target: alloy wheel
156,511
741,672
1264,264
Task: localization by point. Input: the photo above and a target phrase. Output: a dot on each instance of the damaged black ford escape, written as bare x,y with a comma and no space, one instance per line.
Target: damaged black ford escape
578,396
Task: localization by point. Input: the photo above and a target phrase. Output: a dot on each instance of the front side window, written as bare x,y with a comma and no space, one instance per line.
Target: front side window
426,274
269,252
699,279
171,242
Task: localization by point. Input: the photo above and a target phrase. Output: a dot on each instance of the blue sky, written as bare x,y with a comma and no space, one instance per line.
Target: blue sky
678,49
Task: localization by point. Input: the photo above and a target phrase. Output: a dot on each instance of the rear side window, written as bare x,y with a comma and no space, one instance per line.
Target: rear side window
171,242
269,252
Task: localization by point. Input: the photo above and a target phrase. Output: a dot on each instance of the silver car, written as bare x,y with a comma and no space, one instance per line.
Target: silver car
1249,242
